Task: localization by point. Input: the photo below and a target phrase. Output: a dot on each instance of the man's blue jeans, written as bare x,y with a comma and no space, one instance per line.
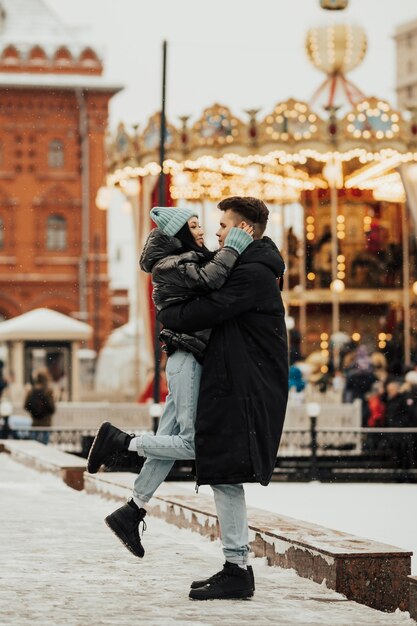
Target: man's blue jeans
233,520
175,440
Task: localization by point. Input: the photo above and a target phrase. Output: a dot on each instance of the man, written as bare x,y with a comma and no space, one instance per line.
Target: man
242,399
244,387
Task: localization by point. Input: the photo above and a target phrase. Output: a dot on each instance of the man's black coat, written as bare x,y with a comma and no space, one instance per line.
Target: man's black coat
244,385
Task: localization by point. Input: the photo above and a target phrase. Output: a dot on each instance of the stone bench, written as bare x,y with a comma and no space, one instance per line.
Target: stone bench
47,459
365,571
413,597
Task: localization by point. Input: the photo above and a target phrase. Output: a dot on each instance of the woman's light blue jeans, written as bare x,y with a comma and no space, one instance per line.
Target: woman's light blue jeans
175,440
175,435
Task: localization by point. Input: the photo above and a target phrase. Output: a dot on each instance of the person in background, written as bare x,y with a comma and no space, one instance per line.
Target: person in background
410,391
379,363
374,442
397,416
39,402
376,406
296,380
322,260
3,381
359,380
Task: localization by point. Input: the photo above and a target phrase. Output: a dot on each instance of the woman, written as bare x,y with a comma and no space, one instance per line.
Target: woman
40,404
181,266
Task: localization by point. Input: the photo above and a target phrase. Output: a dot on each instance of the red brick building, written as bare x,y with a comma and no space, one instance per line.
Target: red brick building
53,118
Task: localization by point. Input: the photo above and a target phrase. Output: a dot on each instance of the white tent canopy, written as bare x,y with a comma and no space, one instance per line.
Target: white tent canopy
44,324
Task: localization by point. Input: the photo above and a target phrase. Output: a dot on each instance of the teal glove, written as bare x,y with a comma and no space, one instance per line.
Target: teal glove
237,239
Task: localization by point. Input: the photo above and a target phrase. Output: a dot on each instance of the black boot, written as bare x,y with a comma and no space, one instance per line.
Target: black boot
108,441
200,583
124,522
231,583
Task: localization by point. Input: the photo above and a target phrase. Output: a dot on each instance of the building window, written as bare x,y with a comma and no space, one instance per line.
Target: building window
410,91
56,233
410,66
1,233
56,154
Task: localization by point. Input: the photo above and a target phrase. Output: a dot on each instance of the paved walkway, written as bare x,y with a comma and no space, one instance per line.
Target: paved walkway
60,565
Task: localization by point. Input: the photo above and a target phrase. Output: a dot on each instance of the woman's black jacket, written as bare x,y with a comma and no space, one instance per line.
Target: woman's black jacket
178,276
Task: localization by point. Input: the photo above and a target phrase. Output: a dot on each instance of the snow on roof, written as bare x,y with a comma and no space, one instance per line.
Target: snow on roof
57,81
44,324
29,22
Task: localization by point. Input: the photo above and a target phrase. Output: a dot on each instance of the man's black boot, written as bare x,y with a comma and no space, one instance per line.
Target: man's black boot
200,583
124,522
108,441
231,583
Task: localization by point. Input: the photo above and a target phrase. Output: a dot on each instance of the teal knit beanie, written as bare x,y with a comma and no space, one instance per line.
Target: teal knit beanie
171,219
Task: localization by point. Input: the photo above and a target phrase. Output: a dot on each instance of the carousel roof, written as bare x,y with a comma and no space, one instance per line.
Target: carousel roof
276,156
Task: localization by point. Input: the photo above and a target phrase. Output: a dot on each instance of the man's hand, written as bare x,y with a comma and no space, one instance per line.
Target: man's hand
247,228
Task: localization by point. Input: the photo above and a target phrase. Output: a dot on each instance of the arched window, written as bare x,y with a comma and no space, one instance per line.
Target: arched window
37,56
1,233
89,59
10,56
63,57
56,232
56,153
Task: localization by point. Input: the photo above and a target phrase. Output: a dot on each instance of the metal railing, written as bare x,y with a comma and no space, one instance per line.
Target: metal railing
326,454
341,454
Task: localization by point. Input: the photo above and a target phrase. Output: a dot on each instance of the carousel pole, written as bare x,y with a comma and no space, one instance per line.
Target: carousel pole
156,407
406,285
302,268
335,295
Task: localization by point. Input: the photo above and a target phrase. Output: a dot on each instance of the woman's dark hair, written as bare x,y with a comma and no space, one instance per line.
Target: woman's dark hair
189,244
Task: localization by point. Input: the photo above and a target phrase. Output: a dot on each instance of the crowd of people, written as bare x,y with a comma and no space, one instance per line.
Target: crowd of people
388,395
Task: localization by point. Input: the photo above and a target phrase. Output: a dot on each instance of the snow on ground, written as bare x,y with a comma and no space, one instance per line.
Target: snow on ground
60,565
379,511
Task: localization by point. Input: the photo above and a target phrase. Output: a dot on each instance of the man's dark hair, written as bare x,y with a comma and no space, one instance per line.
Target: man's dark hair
251,210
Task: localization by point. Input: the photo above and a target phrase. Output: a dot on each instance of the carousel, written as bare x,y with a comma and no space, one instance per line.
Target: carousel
339,174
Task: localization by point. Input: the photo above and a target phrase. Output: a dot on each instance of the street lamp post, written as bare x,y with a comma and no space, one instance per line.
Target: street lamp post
313,412
155,409
290,323
6,410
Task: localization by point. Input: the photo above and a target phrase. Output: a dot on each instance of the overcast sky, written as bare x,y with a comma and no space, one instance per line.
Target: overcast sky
241,53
